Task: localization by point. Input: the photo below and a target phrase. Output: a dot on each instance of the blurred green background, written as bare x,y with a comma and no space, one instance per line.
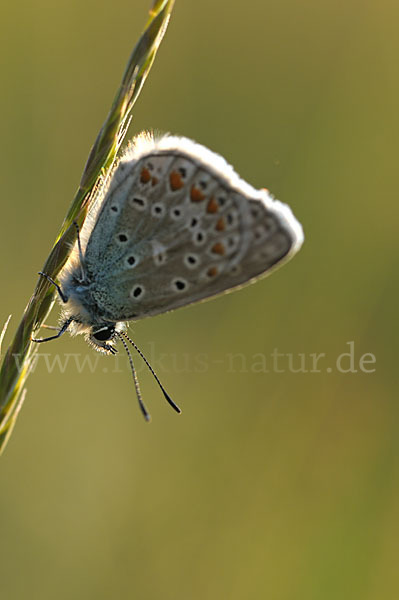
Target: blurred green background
280,485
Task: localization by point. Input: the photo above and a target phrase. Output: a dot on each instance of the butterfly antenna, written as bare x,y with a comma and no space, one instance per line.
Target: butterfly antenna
146,414
165,393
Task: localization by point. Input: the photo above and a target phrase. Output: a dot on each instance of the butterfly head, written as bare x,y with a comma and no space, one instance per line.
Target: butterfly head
102,337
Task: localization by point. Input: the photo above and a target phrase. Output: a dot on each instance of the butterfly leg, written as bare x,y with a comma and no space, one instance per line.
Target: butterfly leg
63,329
57,287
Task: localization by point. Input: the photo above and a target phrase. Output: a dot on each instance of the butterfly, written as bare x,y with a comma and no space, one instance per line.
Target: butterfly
174,225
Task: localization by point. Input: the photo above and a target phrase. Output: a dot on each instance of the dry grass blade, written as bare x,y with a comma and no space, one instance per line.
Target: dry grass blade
15,367
4,332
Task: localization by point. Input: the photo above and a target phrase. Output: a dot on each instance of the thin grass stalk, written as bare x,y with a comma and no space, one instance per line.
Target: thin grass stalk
18,357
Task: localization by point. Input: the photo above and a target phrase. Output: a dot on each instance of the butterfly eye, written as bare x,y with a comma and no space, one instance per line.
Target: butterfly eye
104,334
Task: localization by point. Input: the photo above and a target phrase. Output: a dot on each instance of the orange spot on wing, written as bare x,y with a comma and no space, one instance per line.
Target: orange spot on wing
176,181
212,206
212,272
220,225
196,194
154,181
145,175
218,248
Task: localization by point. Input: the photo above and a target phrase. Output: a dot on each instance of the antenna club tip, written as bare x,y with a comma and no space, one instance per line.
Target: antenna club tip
147,418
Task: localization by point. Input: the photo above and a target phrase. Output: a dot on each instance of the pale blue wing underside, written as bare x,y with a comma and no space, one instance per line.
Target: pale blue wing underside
176,226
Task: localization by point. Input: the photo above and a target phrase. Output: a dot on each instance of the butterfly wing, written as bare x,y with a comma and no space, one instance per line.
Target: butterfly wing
177,225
